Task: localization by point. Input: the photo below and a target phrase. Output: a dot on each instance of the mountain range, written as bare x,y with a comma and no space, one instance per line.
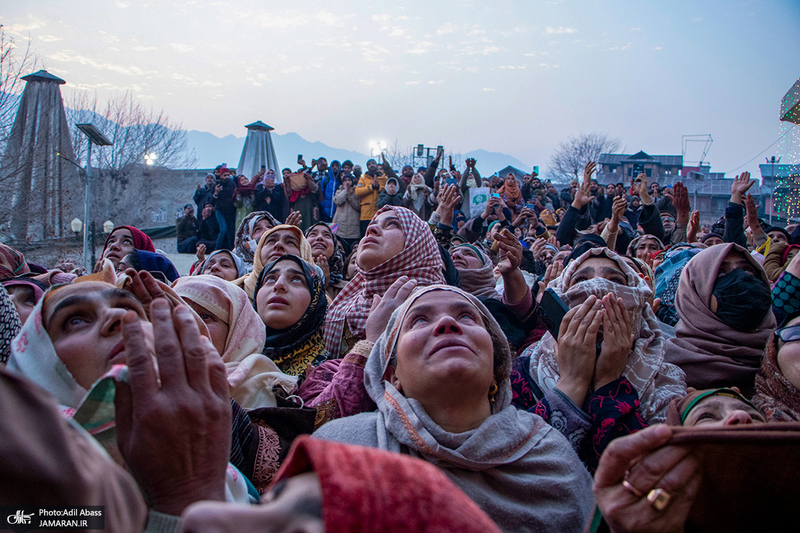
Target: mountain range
211,151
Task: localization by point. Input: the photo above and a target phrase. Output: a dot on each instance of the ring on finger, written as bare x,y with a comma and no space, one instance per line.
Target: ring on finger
658,499
630,488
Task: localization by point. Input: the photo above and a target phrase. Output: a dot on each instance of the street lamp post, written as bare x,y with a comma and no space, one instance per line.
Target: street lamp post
94,136
772,160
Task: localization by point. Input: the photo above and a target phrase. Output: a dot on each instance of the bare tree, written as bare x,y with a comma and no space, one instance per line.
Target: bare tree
135,130
571,156
14,63
126,183
398,156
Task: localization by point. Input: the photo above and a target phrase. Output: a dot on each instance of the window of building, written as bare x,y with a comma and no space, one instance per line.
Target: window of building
648,172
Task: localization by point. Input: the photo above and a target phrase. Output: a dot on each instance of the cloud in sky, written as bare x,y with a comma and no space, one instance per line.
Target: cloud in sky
328,70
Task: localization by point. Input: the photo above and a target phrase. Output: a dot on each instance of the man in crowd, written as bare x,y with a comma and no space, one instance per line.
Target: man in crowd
188,229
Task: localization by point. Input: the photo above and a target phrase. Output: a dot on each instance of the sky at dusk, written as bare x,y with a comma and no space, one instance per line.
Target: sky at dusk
508,76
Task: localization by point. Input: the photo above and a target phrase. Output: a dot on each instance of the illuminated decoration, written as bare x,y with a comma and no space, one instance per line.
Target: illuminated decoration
790,105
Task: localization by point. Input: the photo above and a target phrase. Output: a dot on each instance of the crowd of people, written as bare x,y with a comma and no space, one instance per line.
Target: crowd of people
536,367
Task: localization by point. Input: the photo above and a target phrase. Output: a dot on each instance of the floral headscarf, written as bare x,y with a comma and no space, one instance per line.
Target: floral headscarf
301,344
241,245
336,261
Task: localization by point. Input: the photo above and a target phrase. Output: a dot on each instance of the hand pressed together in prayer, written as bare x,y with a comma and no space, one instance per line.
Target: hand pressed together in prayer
617,341
631,472
174,422
575,350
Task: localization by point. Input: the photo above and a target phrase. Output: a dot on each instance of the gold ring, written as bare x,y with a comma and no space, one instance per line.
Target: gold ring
633,490
658,499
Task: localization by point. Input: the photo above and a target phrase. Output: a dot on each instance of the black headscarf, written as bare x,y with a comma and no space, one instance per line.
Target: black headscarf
302,343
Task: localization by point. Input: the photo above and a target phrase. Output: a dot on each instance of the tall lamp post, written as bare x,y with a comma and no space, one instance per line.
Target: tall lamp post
94,136
772,160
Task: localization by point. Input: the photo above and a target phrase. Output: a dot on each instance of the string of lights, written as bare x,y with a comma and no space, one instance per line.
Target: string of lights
787,188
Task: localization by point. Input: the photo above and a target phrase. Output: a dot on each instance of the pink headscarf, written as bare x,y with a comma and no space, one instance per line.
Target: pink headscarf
419,259
229,303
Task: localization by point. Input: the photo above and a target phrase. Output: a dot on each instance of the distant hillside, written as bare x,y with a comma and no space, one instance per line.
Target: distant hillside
211,150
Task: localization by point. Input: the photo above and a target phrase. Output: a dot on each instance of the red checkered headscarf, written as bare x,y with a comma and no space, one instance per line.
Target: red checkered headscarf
419,259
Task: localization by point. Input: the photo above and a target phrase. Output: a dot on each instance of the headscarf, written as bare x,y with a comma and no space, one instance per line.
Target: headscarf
479,282
776,396
241,245
48,462
13,263
656,381
635,243
710,352
419,259
241,268
301,344
374,491
9,325
248,282
140,239
513,192
417,192
492,463
153,262
680,408
336,261
668,274
251,375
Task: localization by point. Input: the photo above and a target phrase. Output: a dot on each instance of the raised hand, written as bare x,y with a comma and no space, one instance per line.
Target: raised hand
510,252
174,417
752,215
294,219
201,252
693,227
617,341
383,307
583,194
322,262
640,187
680,199
740,185
575,348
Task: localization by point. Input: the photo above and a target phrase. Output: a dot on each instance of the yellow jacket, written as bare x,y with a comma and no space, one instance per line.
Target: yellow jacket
368,195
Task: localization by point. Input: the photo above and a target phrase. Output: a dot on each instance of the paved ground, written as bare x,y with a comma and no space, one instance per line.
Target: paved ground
183,262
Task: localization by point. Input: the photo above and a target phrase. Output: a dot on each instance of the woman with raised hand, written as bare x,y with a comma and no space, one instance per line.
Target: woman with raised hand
248,234
397,243
327,256
439,374
606,375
